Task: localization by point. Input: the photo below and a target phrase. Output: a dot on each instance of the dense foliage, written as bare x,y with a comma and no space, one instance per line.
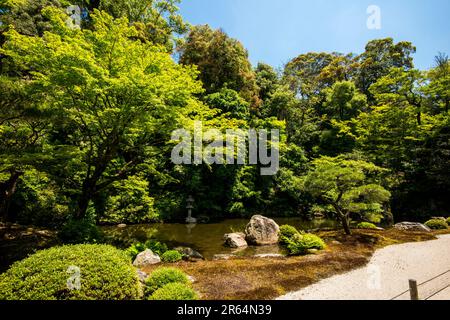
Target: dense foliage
105,274
87,113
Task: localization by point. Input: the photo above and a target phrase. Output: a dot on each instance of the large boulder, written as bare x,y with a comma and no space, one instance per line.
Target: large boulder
146,258
262,231
412,226
235,240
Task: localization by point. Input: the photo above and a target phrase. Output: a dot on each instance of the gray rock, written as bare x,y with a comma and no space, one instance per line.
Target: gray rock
189,254
412,226
235,240
142,276
224,257
122,225
146,258
269,255
261,231
191,279
312,251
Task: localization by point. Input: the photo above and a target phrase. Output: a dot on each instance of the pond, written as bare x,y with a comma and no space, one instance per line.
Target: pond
205,238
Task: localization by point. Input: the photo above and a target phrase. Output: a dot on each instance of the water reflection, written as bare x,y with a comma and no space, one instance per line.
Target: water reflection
205,238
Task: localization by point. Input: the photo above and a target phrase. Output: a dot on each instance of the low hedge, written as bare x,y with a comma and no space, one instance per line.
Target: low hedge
163,276
299,244
171,256
105,273
366,225
437,224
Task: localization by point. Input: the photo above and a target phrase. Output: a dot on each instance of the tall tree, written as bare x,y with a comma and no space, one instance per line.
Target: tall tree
222,61
117,98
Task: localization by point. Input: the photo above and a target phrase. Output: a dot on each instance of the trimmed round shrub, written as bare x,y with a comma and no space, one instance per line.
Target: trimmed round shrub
436,224
287,232
163,276
73,272
366,225
171,256
299,244
174,291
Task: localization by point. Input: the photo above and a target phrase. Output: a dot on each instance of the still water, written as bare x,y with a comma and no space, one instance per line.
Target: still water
205,238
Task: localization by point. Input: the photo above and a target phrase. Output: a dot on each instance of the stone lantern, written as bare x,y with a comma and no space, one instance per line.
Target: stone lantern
189,207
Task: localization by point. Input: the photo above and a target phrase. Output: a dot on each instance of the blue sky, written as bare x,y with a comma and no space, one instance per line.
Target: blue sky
274,31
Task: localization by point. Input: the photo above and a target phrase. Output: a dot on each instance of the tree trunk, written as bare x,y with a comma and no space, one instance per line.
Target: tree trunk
345,225
7,190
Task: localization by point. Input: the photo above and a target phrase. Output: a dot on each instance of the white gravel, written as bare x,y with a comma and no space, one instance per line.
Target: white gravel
387,275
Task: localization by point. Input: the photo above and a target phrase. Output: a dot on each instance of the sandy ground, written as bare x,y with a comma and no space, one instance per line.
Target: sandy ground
387,275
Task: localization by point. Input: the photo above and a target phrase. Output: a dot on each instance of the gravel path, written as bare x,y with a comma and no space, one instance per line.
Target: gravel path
387,275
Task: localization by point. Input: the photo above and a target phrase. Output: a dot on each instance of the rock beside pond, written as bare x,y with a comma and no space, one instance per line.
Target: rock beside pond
146,258
262,231
224,257
269,255
235,240
412,226
122,225
189,254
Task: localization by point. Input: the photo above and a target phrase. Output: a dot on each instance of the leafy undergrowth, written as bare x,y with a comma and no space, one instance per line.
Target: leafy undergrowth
260,279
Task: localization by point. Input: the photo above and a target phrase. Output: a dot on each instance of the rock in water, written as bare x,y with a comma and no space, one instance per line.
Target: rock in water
412,226
189,254
146,258
235,240
262,231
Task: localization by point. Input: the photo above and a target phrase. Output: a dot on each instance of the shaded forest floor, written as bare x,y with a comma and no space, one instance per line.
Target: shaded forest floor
269,278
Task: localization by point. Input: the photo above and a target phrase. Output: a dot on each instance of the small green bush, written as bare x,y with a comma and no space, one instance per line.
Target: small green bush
80,232
163,276
174,291
156,247
366,225
171,256
436,224
299,244
105,274
286,233
448,220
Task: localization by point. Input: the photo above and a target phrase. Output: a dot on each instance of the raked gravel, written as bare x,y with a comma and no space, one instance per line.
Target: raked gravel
387,275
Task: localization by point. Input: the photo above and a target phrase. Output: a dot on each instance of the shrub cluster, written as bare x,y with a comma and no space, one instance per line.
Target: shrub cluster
171,256
298,243
366,225
287,232
437,224
105,273
169,284
156,247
